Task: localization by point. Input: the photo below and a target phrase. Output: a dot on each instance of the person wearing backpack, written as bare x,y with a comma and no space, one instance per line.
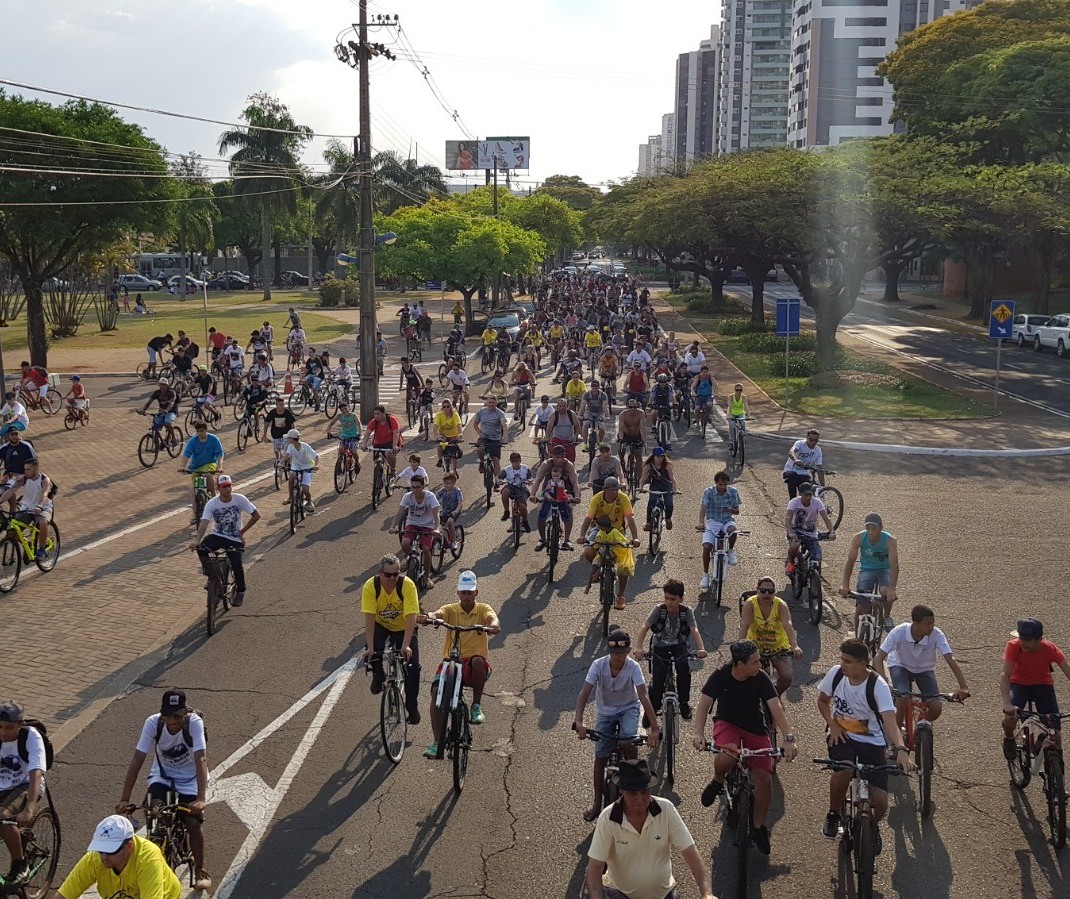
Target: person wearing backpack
36,502
857,706
25,755
176,739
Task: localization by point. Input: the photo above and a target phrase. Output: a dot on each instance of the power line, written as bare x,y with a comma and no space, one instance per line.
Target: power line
413,56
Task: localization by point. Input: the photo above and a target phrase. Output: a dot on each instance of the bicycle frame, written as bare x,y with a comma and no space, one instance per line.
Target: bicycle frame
25,535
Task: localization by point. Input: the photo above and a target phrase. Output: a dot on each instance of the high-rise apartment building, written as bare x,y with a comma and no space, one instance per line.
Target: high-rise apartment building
835,93
697,83
668,141
753,95
650,156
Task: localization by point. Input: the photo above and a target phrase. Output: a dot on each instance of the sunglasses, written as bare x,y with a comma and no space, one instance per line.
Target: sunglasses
767,591
389,573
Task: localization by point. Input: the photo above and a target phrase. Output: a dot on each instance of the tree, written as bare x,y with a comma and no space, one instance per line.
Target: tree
403,182
338,200
571,190
41,240
239,226
194,212
265,164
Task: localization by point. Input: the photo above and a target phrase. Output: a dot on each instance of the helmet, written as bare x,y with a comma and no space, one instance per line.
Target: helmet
76,377
662,378
261,355
161,380
201,367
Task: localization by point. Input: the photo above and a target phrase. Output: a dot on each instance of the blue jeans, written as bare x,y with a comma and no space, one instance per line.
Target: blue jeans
622,722
873,577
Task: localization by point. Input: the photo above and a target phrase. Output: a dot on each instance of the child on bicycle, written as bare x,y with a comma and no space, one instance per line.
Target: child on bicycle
76,397
427,398
451,501
415,470
605,534
349,432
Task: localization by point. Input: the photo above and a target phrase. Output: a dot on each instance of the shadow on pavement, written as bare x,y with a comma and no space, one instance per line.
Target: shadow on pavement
1039,855
920,855
552,699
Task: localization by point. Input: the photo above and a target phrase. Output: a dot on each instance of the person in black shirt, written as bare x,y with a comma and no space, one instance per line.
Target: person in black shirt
742,692
279,420
156,345
166,408
14,454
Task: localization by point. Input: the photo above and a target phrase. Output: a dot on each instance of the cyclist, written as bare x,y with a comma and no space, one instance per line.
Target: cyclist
1026,677
498,389
257,344
313,376
492,427
557,484
766,622
217,340
515,477
303,460
390,603
489,339
204,455
659,476
384,433
703,388
671,624
454,342
459,381
609,364
155,347
640,355
742,693
631,430
295,343
13,414
661,400
563,429
225,511
451,503
403,318
448,427
267,334
800,524
474,649
34,379
76,397
614,504
571,365
235,359
803,455
738,407
720,503
858,710
879,567
620,692
14,454
176,739
681,380
204,387
604,465
415,470
293,318
343,376
166,408
694,359
522,380
22,781
911,649
592,343
261,380
426,399
593,409
419,508
279,420
574,390
636,384
349,432
410,379
542,414
119,863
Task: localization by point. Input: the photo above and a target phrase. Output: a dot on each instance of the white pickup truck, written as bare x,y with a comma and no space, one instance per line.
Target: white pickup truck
1054,335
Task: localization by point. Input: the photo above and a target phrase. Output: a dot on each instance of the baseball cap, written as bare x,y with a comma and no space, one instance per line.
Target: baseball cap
10,712
874,518
173,701
467,581
619,641
111,833
293,434
1030,629
223,480
76,377
610,482
807,487
659,451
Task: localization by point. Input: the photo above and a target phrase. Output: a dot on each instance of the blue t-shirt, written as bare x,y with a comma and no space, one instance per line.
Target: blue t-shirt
200,453
449,500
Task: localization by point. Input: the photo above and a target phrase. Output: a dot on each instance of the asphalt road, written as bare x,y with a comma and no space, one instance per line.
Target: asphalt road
307,806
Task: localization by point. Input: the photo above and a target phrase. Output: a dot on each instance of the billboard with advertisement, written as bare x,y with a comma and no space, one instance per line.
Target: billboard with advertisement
504,153
462,155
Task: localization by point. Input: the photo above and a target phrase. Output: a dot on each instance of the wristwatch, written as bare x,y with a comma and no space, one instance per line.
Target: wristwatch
901,749
789,738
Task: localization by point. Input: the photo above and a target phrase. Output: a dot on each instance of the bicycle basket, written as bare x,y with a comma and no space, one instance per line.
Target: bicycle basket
217,568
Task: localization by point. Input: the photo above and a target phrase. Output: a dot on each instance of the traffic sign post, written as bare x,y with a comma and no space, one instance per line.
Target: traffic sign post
1000,328
787,326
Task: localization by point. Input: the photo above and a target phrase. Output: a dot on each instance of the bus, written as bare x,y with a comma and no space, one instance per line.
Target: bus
152,264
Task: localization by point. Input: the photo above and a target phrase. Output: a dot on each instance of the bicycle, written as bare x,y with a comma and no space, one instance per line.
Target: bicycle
221,587
281,466
18,547
737,440
684,406
610,790
165,826
345,466
154,442
1036,753
656,518
670,711
858,834
76,415
830,496
807,577
425,423
303,397
632,463
663,428
297,502
739,805
250,426
520,413
451,452
607,574
516,520
414,565
200,491
335,393
41,841
447,364
414,349
554,530
382,477
203,411
457,739
487,465
918,737
50,403
412,408
487,360
719,561
439,547
393,721
870,628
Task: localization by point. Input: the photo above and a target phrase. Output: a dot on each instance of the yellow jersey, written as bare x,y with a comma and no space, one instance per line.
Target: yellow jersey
592,340
557,332
574,390
390,610
489,337
472,643
535,337
145,876
616,510
448,425
769,633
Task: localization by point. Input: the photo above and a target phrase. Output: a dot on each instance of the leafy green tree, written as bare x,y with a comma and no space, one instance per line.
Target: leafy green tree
194,213
571,190
265,164
44,237
404,182
238,226
338,199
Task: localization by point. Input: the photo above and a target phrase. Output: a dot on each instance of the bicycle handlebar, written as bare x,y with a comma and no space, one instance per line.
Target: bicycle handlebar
1024,714
858,768
743,752
438,622
595,735
876,597
650,653
662,492
947,697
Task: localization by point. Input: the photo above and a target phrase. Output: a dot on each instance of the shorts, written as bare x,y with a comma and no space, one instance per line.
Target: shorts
159,794
152,355
425,536
304,477
569,445
868,579
901,680
865,754
564,508
620,722
595,419
493,447
163,418
642,397
1043,698
313,382
466,673
40,518
350,443
520,494
278,444
727,734
812,544
207,468
447,516
13,801
713,528
703,402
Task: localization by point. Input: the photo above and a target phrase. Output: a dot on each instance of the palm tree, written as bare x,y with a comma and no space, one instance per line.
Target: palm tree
402,182
265,164
340,203
194,213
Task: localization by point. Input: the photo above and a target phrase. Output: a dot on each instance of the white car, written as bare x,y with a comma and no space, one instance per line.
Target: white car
1025,326
1054,334
592,268
173,283
139,282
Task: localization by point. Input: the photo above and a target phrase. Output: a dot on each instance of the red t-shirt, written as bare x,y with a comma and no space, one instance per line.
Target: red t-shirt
218,340
1033,668
383,431
36,376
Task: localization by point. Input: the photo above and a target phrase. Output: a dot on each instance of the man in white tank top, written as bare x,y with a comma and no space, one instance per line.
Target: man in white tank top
35,504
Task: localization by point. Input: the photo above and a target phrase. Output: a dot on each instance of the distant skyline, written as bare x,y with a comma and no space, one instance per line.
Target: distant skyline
587,81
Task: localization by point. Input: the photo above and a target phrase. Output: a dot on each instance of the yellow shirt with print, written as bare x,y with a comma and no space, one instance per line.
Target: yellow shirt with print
489,337
536,338
616,510
624,554
592,340
574,390
448,425
557,332
768,633
145,876
390,610
472,643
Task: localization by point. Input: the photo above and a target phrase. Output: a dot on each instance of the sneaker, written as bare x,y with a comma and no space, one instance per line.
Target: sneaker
879,842
286,502
704,584
888,623
431,752
377,683
438,464
238,599
17,871
1010,749
540,546
414,716
203,881
713,790
831,829
310,508
789,569
731,558
760,838
646,527
527,526
668,524
685,711
505,516
567,546
454,545
477,714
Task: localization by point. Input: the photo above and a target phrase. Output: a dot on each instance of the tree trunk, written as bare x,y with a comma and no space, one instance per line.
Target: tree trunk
826,326
980,264
757,299
892,271
36,331
278,262
468,293
694,281
251,262
1042,290
265,247
717,292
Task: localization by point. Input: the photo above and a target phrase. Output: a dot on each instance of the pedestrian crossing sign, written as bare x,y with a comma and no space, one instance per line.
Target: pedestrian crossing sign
1000,318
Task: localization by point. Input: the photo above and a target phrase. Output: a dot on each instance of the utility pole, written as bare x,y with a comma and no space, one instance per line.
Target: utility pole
497,275
358,55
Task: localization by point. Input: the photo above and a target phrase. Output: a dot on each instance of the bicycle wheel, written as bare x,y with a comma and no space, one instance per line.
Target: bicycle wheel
1055,792
411,412
488,482
238,409
10,565
462,740
298,401
553,545
438,552
718,584
814,598
742,839
798,580
377,486
865,849
52,549
442,369
655,531
741,439
668,736
296,503
142,371
330,404
833,500
517,529
175,444
1021,764
340,479
663,434
213,604
243,434
51,401
605,595
41,844
280,474
458,538
923,761
148,450
70,420
393,723
412,565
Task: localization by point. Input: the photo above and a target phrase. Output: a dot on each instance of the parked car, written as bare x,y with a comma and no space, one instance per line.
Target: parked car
1025,326
523,308
578,256
571,269
592,268
772,275
1054,334
508,320
174,282
737,276
229,281
139,282
292,279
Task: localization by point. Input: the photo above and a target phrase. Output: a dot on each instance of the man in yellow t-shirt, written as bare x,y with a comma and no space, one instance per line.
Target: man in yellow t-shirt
474,649
489,336
390,603
614,504
118,863
448,426
592,339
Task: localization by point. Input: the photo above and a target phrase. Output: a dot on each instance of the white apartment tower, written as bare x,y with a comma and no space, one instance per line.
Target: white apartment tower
698,76
650,155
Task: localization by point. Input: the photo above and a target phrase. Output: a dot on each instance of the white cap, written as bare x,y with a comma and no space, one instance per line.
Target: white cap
467,581
293,434
111,833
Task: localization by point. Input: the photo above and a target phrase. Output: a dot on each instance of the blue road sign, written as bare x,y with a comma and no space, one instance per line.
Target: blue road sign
787,317
1001,319
432,285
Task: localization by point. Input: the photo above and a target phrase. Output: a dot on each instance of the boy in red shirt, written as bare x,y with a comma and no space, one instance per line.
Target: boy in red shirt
1027,677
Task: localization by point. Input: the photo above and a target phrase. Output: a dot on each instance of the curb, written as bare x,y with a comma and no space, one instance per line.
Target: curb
926,450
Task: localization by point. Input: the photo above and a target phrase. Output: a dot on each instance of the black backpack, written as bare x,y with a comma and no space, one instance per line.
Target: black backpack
24,733
186,735
871,687
378,582
687,621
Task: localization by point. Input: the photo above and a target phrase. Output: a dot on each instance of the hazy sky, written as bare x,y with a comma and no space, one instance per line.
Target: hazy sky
588,80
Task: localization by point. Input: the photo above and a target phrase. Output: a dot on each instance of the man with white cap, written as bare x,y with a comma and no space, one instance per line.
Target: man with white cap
225,511
118,863
303,460
475,649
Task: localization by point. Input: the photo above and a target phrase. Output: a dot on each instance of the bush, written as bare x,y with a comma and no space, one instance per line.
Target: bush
332,291
770,343
734,327
351,292
800,365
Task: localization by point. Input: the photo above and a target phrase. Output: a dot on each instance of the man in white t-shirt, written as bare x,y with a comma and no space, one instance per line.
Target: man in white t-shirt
422,508
911,649
800,524
303,460
695,359
175,738
803,455
225,511
22,780
858,709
